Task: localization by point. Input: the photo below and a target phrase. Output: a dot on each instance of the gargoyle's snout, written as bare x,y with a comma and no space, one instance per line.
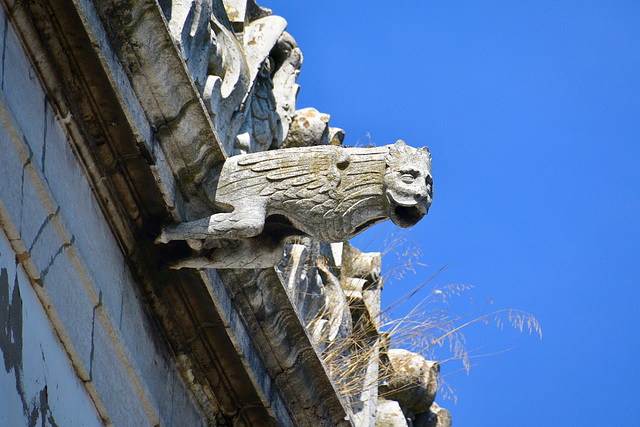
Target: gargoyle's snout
424,205
424,199
425,196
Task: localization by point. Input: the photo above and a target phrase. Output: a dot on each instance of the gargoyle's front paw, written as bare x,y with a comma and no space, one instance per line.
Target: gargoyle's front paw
162,238
195,244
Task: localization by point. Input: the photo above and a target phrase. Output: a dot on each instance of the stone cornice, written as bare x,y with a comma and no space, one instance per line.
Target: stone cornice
284,345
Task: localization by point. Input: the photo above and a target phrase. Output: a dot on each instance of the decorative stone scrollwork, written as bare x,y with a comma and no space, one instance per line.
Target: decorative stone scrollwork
245,66
330,193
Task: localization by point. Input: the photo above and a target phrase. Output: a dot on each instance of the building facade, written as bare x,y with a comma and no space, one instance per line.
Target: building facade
115,119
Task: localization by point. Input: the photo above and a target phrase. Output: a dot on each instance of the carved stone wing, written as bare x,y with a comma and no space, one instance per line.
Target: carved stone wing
299,180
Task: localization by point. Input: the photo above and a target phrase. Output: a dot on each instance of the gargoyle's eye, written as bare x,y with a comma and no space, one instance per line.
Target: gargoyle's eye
407,178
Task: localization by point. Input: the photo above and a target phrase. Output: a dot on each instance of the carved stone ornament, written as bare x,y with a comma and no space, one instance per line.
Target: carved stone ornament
330,193
245,66
413,382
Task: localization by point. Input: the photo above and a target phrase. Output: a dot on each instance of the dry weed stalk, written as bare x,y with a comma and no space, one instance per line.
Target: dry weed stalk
431,324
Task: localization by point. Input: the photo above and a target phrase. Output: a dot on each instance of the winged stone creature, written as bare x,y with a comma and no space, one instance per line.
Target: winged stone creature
330,193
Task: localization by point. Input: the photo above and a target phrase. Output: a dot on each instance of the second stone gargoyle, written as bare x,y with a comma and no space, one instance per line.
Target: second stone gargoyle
330,193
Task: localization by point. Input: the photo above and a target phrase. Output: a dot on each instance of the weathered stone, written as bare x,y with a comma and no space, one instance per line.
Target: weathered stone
336,136
309,127
342,325
285,347
412,381
361,269
435,417
315,289
189,23
329,193
390,414
237,12
288,60
244,65
20,84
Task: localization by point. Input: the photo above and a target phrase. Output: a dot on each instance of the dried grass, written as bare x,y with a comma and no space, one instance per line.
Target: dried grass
431,324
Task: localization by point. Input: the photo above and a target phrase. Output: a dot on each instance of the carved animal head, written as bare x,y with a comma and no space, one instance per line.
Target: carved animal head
408,185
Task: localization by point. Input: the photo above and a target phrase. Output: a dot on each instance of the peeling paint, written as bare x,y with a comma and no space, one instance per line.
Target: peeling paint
10,325
11,347
45,411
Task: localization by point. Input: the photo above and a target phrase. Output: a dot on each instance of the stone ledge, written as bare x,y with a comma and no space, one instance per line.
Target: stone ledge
139,36
285,346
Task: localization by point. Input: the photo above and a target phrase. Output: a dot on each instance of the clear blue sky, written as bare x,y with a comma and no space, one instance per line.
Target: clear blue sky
532,114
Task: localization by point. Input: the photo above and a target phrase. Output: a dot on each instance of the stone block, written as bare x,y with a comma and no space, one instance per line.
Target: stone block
35,214
182,412
70,296
122,397
48,373
152,356
66,179
12,169
23,91
106,269
389,414
149,353
96,246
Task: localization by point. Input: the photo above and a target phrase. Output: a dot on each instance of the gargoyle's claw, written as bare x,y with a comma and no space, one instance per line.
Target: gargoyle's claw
162,238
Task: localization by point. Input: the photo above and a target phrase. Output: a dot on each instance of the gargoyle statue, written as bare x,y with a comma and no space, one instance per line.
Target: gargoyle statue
330,193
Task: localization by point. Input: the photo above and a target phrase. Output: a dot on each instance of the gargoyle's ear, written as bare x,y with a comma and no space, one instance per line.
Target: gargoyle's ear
425,149
396,151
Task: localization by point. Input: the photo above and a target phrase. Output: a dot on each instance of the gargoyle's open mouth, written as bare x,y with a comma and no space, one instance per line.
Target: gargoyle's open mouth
405,212
407,216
